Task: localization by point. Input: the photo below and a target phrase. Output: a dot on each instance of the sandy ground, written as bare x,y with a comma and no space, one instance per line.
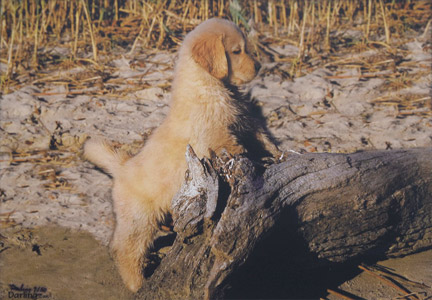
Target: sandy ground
56,210
58,263
413,272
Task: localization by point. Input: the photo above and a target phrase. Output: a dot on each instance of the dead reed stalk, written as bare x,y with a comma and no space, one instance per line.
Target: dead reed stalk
12,42
90,26
327,36
386,27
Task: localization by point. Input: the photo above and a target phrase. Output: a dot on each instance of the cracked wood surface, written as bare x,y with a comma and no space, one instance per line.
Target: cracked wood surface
343,206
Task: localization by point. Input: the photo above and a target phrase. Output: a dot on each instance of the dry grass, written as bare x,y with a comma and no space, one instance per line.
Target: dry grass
30,27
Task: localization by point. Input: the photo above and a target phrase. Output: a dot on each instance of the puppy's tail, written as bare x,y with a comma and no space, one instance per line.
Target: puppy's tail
100,153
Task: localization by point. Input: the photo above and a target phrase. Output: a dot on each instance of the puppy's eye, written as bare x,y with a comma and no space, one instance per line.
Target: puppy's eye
236,51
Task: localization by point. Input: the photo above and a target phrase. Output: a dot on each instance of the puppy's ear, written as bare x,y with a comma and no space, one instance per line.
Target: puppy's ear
209,52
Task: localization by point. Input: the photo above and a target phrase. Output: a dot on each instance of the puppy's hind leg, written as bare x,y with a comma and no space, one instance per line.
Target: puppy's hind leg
133,236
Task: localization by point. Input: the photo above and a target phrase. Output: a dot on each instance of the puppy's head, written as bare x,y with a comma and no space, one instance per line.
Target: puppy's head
220,48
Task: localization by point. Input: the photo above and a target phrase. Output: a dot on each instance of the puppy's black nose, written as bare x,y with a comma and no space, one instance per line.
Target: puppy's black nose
257,66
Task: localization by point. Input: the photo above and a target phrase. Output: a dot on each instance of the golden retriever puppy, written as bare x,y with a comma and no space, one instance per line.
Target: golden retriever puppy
205,114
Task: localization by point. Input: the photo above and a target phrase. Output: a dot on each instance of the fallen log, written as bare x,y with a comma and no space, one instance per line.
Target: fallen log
341,207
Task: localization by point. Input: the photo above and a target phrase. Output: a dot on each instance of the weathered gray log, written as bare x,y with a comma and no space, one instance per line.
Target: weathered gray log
343,206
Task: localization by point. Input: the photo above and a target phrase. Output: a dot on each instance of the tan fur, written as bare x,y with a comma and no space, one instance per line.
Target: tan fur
202,114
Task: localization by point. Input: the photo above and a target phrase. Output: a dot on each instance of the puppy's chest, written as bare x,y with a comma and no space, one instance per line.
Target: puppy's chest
214,116
211,125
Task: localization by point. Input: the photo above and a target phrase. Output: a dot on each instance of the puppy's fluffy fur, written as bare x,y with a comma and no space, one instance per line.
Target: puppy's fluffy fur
212,60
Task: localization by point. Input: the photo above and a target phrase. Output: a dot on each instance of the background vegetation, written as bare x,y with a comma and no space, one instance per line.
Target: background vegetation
92,29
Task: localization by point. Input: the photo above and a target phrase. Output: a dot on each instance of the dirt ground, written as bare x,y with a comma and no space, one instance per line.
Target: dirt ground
60,263
412,274
56,213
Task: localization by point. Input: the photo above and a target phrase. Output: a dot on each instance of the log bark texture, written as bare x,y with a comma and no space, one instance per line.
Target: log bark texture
342,206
